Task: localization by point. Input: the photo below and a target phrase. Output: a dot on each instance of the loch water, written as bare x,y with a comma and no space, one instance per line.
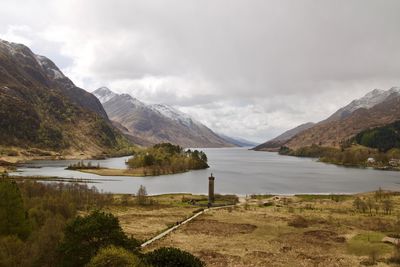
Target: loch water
237,171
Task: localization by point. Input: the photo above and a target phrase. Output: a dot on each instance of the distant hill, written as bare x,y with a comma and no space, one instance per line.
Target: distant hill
241,142
41,108
151,124
275,143
377,108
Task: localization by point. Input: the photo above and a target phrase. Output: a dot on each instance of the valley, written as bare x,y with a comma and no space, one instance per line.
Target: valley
199,133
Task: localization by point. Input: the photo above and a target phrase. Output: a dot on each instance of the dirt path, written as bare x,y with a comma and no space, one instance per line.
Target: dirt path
166,232
392,240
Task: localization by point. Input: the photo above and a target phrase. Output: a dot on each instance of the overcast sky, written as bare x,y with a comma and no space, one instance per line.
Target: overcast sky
246,68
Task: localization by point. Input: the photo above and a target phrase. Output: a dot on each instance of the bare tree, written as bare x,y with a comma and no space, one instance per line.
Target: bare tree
141,196
387,206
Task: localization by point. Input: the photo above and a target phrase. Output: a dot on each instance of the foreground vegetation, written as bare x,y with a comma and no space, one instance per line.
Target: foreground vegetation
61,225
301,230
72,225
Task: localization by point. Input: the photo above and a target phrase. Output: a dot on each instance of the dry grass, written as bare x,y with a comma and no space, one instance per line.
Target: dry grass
256,235
144,222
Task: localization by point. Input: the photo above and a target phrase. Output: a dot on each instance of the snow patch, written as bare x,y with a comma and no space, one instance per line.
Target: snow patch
174,114
371,99
104,94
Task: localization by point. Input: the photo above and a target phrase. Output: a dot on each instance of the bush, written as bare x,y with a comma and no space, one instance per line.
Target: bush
115,257
84,236
172,257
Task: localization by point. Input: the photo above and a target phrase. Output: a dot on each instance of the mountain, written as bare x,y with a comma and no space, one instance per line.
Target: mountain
151,124
375,109
368,101
104,94
275,143
41,108
241,142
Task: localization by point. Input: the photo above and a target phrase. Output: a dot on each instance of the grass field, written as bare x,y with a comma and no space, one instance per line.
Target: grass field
270,231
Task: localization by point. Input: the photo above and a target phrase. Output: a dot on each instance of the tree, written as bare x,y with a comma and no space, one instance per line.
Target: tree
387,206
370,204
141,196
357,203
172,257
13,219
84,236
115,257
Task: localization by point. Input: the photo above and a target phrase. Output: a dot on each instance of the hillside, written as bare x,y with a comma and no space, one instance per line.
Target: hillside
277,142
339,129
382,138
41,108
152,124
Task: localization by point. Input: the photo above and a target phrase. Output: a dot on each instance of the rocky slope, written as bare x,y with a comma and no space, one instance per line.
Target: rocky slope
376,109
276,143
151,124
41,108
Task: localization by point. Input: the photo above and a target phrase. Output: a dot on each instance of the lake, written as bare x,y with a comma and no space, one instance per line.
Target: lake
237,171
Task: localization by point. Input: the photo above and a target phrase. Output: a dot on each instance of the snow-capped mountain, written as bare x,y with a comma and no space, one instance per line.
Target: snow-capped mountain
375,109
174,114
368,101
150,124
104,94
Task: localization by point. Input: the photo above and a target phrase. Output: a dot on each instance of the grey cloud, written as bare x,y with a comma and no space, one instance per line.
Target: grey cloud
273,63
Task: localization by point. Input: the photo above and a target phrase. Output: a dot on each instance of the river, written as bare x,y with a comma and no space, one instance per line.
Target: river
237,171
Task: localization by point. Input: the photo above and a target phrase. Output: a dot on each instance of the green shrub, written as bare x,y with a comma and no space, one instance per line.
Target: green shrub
115,257
84,236
172,257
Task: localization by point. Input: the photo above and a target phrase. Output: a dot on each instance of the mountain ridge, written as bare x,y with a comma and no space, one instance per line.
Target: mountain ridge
41,108
335,131
156,123
360,114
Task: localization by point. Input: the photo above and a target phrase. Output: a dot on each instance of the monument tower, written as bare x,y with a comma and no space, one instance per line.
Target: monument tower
211,189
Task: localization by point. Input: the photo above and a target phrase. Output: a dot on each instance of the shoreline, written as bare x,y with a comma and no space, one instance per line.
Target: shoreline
356,166
139,172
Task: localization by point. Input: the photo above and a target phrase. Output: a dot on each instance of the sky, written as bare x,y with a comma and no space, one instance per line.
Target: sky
249,69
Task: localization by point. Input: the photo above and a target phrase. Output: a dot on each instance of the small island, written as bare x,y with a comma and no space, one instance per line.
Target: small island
160,159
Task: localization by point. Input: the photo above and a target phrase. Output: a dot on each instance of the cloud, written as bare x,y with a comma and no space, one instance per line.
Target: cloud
251,69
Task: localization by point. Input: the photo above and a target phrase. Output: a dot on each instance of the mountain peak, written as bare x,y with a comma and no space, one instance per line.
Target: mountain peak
368,101
104,94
